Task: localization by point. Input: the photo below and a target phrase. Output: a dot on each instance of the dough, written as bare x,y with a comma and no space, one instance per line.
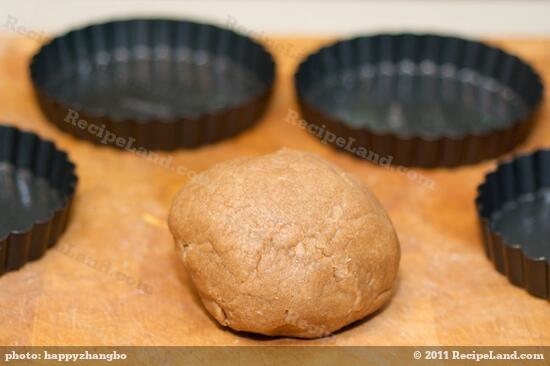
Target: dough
285,244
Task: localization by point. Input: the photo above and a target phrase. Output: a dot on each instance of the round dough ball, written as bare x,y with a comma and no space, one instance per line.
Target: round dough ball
285,244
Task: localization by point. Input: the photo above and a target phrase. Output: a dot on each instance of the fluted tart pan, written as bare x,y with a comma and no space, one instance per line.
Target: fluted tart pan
152,83
37,185
418,99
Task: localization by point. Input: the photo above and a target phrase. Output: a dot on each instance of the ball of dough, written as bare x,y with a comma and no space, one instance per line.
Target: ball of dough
285,244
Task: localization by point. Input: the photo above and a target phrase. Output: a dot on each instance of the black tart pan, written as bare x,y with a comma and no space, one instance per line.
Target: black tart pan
514,208
419,100
152,83
37,184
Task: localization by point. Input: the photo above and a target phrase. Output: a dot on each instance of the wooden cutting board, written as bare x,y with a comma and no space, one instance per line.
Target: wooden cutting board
115,279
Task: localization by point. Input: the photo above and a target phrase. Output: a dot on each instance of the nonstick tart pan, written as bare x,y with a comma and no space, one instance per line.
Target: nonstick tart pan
514,208
418,100
152,83
37,184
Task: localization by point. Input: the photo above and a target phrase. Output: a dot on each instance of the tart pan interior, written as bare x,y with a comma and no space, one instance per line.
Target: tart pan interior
514,206
37,184
160,83
423,100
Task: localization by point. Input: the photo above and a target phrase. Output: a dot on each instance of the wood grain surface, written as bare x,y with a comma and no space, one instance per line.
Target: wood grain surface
115,278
